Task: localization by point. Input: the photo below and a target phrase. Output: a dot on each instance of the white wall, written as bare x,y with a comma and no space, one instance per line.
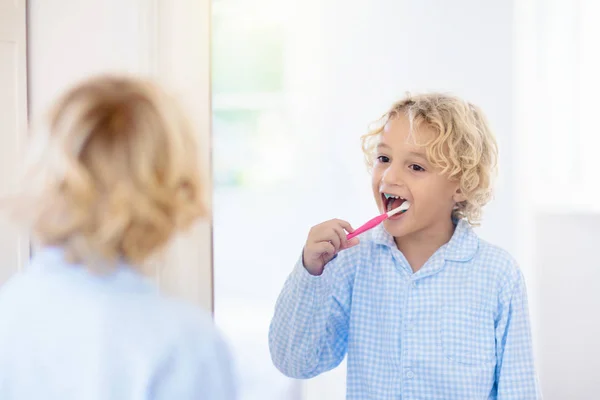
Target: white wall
556,100
70,40
14,241
569,281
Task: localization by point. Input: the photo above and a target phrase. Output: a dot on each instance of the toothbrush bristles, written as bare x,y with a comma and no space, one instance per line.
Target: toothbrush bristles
405,206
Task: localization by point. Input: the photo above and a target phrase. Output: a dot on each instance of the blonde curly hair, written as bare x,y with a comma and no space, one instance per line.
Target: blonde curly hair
463,149
115,175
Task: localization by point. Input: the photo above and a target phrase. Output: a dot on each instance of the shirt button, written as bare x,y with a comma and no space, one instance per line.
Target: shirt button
410,374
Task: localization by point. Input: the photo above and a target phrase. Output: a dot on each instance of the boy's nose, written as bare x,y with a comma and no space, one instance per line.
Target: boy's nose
393,176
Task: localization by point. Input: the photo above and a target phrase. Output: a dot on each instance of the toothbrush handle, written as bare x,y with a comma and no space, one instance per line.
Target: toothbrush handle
368,225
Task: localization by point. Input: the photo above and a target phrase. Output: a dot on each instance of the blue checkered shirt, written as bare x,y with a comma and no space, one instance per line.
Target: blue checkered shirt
456,329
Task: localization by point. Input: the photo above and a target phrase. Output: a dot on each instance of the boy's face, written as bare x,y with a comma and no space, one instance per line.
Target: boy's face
401,169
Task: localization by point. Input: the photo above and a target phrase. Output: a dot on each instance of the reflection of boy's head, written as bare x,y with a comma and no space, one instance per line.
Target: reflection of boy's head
462,146
116,172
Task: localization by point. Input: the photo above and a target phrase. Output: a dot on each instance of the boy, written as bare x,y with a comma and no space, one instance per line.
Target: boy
422,306
114,178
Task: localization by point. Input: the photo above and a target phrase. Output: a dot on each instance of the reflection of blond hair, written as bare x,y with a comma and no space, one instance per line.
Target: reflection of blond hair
116,174
464,147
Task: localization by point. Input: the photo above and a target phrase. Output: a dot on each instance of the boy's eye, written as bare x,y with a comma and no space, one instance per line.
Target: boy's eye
383,159
416,168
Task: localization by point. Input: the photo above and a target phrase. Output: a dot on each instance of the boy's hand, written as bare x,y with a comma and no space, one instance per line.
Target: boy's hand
324,242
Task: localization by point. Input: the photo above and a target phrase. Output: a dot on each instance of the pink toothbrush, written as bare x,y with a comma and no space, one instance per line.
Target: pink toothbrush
379,219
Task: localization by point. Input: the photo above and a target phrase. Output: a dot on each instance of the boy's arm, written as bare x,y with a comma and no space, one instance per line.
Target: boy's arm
516,377
309,331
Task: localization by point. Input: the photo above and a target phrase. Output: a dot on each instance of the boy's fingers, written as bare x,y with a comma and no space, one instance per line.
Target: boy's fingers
345,225
341,235
325,248
334,239
351,243
331,234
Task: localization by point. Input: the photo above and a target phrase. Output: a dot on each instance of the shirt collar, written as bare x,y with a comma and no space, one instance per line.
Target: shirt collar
462,246
49,259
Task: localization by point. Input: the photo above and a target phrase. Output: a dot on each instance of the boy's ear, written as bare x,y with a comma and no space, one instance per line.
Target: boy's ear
458,196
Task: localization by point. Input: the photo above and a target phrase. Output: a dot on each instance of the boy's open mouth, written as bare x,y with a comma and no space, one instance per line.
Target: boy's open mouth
391,201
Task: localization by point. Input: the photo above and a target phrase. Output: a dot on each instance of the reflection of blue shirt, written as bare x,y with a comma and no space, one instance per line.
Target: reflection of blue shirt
456,329
66,334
